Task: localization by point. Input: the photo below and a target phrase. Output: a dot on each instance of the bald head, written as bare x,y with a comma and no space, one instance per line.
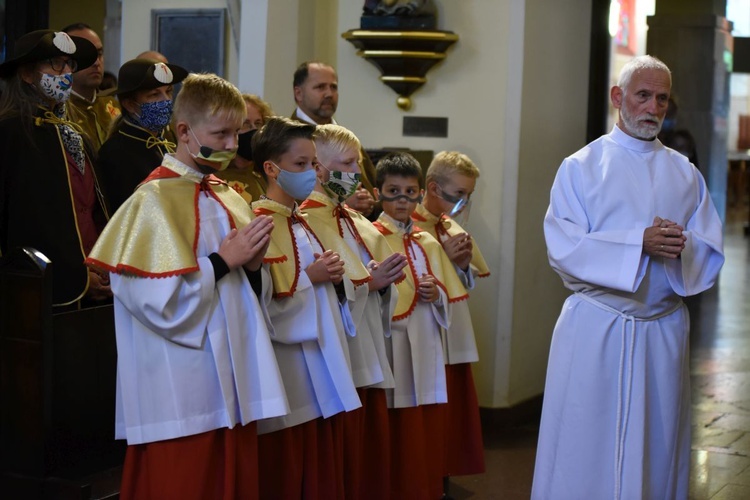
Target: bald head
87,80
152,54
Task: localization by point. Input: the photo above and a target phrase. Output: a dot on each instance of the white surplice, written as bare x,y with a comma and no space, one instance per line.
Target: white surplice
309,339
459,341
373,319
415,347
616,417
193,354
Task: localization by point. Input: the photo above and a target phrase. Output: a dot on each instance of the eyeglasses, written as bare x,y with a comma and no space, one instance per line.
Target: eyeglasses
59,63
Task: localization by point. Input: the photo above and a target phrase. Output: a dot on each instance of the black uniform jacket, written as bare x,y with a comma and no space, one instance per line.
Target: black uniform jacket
127,158
36,203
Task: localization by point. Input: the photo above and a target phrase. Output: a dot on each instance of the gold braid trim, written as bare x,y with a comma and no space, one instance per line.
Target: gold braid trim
156,141
153,141
50,117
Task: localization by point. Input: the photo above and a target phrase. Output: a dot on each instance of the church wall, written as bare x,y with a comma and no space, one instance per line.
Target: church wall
136,26
276,37
64,12
553,126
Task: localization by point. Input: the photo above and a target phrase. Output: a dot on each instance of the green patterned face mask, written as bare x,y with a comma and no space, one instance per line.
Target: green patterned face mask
341,185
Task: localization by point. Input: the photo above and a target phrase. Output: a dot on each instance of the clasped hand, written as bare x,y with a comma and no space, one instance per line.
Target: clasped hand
459,249
326,267
247,246
427,289
664,239
361,201
99,288
386,272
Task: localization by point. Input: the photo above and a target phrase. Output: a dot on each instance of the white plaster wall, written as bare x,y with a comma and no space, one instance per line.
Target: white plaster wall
275,36
136,27
295,31
281,53
739,104
738,12
553,126
251,64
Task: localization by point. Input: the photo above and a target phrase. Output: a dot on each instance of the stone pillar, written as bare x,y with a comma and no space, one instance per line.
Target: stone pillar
693,38
112,36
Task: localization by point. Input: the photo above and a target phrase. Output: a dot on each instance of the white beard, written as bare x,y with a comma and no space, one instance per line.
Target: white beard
639,129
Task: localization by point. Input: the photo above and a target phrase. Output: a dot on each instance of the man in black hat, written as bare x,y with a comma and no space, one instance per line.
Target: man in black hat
49,197
93,111
137,141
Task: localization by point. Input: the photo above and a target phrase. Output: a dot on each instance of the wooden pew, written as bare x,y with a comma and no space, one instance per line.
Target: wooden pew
57,390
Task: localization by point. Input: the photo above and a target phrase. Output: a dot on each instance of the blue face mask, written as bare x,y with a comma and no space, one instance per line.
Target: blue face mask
155,116
298,185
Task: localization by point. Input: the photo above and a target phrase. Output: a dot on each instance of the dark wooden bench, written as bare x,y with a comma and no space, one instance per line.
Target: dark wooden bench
57,390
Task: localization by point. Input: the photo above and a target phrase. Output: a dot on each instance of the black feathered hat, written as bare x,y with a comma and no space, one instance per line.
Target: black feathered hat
147,74
44,44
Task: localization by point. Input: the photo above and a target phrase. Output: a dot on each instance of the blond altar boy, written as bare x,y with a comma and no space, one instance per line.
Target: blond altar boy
367,450
450,182
195,366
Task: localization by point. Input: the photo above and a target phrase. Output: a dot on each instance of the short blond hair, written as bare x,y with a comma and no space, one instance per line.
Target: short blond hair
262,106
447,163
335,139
205,94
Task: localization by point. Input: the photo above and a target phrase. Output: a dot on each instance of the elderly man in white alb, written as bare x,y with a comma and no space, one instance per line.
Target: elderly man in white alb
631,229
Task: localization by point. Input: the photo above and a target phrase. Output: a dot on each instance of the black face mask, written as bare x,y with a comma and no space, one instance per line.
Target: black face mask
245,146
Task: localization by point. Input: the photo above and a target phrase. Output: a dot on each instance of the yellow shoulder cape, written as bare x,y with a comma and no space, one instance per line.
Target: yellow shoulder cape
326,219
155,232
437,264
285,271
374,242
444,224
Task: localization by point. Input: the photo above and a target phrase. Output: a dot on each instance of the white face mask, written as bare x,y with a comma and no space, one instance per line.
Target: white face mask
57,87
